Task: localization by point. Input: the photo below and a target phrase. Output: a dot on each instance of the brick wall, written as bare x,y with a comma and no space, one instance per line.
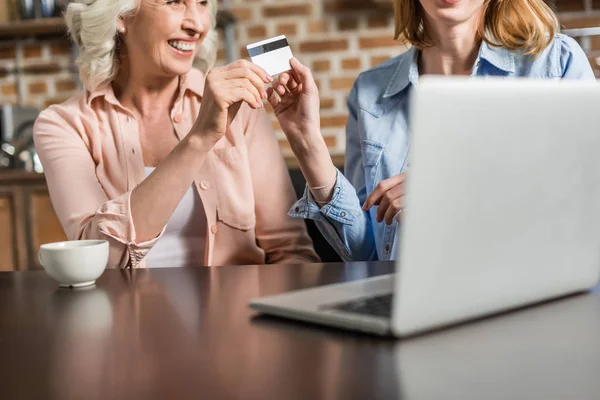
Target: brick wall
36,73
336,38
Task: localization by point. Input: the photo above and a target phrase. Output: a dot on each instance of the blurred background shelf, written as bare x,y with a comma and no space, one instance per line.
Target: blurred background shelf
33,27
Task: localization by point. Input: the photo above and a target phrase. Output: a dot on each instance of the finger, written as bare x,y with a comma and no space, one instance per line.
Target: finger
245,64
394,208
288,82
375,197
260,95
372,199
283,79
303,74
244,73
292,84
273,100
382,209
231,94
280,89
277,84
396,192
243,94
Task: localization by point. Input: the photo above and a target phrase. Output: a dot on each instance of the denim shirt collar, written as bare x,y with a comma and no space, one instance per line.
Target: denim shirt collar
407,71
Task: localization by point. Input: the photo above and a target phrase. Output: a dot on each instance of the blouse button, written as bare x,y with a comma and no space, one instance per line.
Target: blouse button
178,118
204,185
214,229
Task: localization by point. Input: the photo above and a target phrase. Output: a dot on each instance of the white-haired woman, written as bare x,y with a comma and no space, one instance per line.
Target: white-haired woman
172,167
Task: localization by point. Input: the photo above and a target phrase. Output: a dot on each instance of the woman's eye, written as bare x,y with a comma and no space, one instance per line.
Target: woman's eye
203,2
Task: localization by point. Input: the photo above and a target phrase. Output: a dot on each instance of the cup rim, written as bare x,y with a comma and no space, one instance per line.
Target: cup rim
83,244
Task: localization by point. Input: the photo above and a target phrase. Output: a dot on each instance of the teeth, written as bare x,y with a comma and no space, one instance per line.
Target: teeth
183,46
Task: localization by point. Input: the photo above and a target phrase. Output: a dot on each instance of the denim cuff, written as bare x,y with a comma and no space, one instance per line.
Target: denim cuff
336,210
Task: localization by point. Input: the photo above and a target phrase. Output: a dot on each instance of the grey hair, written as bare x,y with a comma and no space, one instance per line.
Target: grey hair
92,25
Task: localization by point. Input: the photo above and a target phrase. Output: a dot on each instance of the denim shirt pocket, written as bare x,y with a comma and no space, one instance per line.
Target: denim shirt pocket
371,155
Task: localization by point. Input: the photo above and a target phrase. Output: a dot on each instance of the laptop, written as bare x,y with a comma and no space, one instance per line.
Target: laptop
502,210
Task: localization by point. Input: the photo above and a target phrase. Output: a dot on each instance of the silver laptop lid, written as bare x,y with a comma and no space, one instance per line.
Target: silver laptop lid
503,202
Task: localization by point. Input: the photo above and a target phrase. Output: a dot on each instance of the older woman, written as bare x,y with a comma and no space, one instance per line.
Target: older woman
358,211
172,167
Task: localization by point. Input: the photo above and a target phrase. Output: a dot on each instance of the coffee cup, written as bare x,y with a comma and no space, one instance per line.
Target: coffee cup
74,263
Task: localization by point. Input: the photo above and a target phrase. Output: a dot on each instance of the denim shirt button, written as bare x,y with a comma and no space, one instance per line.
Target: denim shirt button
343,214
387,247
297,209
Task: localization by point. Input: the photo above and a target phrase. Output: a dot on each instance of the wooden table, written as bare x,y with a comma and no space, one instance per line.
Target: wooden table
187,334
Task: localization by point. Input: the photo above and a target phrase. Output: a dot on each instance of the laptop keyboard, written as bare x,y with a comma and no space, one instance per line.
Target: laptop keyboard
378,306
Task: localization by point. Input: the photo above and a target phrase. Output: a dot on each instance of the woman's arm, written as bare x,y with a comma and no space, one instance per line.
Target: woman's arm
284,240
131,221
79,200
226,88
340,217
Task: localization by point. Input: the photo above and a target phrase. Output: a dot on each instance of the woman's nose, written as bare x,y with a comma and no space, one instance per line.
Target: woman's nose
192,21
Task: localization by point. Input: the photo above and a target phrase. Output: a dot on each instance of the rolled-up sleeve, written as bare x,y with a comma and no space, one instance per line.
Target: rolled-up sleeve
342,221
82,206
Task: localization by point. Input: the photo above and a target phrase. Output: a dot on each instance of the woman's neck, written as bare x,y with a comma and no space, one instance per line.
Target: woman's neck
143,93
454,51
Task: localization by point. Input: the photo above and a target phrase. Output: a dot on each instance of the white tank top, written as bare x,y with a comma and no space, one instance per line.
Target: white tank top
184,240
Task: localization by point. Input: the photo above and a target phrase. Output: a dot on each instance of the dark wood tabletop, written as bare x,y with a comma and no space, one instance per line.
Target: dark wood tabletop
188,334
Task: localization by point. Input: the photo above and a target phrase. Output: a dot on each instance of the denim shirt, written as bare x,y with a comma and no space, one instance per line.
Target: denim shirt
378,139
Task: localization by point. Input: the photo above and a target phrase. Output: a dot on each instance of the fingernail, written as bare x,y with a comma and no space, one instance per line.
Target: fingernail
268,78
294,60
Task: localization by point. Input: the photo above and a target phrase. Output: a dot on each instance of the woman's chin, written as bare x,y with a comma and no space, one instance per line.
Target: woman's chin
177,69
451,16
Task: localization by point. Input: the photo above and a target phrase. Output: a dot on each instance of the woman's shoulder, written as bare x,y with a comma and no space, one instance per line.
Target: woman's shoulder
563,48
561,54
75,105
71,116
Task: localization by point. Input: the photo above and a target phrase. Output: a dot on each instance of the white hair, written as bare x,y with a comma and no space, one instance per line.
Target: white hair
93,26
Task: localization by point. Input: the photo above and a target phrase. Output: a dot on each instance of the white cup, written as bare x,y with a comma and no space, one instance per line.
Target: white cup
75,263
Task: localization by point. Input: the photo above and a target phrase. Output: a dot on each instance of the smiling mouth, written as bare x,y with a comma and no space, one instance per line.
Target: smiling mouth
182,46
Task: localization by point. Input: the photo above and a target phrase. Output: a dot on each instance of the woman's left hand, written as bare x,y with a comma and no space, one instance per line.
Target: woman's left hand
389,196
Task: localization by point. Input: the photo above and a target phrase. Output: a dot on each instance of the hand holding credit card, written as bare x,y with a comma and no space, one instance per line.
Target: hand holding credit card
273,55
294,97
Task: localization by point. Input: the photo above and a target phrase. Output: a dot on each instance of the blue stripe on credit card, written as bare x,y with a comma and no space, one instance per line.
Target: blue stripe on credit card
267,47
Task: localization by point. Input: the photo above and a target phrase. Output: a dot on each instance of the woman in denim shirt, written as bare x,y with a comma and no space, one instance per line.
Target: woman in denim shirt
359,212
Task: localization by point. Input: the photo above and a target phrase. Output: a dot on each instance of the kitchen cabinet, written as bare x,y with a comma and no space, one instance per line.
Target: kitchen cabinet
27,220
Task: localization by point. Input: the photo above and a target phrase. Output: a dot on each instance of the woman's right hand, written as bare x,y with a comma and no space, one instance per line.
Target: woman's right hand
297,108
294,97
225,89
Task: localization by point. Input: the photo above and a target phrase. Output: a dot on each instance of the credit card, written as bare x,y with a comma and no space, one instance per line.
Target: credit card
273,55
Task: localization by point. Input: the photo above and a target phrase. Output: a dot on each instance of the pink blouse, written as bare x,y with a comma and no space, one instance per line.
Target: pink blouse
90,149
